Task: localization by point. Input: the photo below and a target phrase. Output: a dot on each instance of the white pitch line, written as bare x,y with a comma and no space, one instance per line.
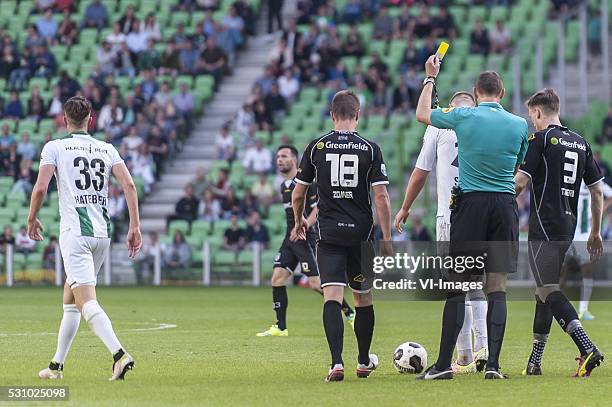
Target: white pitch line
158,327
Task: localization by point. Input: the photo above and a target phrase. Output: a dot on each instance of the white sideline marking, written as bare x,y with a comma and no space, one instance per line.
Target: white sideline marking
157,327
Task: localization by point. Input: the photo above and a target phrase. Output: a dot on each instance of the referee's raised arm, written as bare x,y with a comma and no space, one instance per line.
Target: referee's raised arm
491,143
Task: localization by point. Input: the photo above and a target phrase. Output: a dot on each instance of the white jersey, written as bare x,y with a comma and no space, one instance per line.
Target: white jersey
583,212
440,147
83,166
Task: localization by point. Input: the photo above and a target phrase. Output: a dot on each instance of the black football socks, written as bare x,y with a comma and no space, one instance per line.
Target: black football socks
496,326
279,303
364,329
346,309
566,316
452,321
334,329
542,322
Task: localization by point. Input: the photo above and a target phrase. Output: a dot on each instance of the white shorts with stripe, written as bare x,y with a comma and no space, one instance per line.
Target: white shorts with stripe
83,257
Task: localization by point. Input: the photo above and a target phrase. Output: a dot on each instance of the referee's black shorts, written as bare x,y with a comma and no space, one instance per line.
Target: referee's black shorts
487,222
350,265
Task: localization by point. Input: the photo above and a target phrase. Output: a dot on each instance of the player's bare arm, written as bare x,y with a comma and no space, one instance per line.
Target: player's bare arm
414,187
521,180
134,238
39,192
312,217
423,110
594,244
298,199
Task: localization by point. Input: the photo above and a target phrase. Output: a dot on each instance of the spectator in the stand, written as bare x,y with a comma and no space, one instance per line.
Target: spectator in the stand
263,191
188,58
136,40
235,25
379,99
383,25
150,57
245,10
605,168
127,19
96,15
14,108
281,54
410,58
20,72
6,238
257,232
209,209
43,62
26,150
288,85
234,237
186,208
225,144
8,61
23,243
606,130
423,25
184,102
245,120
222,186
145,261
151,28
163,95
159,147
263,117
68,86
230,205
402,98
212,61
275,9
445,24
479,39
275,103
180,38
200,182
33,38
106,58
55,106
594,33
36,106
110,113
116,208
67,30
24,181
257,159
248,203
132,142
170,60
40,6
428,48
352,12
500,38
116,38
143,166
177,254
124,63
265,81
47,26
49,252
149,84
353,44
418,232
414,84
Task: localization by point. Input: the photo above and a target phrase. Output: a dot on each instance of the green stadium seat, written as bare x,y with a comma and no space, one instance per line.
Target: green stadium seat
7,215
181,225
200,228
195,242
88,37
225,257
498,13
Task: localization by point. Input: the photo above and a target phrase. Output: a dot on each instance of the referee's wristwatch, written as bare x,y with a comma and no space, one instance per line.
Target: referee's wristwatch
429,79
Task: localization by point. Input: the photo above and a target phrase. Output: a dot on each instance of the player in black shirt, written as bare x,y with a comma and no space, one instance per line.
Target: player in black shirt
301,252
556,163
345,166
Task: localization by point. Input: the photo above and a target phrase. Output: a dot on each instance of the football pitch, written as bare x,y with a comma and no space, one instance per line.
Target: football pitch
197,347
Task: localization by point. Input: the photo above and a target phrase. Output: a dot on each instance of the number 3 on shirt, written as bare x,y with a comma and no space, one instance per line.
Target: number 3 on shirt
571,165
340,170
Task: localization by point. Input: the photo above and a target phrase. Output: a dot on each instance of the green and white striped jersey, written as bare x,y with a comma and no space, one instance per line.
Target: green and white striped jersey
83,166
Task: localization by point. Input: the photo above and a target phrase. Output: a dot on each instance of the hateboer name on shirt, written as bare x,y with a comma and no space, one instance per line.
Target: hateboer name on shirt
90,199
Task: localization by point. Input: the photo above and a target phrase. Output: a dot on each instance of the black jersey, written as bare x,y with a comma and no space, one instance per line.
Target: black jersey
286,189
344,166
557,161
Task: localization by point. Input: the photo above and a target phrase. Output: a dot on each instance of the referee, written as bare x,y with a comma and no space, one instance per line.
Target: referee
492,143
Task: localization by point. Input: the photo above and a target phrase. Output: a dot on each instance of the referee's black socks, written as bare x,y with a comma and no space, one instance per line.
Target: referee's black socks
334,329
496,326
364,329
452,321
279,303
566,316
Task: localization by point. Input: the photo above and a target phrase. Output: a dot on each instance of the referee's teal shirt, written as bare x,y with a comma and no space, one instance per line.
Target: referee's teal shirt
491,143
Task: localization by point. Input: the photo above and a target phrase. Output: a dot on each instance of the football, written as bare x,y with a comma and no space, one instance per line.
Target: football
410,357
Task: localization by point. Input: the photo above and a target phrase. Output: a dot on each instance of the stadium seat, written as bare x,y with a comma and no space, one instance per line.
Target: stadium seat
200,228
180,225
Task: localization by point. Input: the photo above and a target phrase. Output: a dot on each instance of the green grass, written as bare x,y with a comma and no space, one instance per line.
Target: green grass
212,357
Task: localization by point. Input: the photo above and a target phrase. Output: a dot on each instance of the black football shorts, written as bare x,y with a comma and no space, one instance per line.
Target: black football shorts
301,252
346,265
